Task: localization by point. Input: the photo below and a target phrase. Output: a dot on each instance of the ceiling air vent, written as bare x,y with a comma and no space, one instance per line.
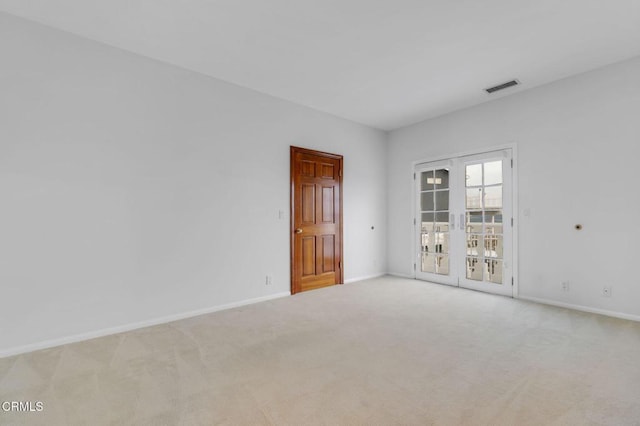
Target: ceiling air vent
502,86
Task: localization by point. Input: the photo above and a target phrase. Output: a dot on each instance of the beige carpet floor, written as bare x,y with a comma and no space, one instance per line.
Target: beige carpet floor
382,352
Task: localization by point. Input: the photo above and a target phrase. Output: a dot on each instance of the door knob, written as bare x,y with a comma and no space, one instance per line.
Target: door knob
298,230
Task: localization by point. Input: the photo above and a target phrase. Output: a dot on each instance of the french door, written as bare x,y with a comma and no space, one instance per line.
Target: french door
464,226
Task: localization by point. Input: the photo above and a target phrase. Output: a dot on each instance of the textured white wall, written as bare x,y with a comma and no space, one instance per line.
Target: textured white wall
578,146
131,190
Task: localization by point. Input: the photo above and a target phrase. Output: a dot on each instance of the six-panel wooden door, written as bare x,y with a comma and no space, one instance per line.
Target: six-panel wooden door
316,219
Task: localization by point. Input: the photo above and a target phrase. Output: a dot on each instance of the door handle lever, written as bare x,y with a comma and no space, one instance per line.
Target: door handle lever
298,230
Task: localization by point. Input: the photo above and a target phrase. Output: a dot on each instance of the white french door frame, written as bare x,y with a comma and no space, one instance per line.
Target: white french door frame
450,245
447,159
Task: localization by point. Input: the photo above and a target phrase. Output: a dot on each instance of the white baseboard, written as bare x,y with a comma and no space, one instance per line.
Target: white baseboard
582,308
128,327
400,275
368,277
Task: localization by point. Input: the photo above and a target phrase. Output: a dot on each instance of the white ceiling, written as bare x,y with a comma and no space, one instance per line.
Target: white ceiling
383,63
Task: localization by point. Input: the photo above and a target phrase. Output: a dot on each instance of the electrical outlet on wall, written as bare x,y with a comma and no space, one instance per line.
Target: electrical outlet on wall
606,291
565,285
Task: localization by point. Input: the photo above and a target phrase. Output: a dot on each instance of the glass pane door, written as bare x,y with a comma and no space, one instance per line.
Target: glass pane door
486,202
483,223
433,213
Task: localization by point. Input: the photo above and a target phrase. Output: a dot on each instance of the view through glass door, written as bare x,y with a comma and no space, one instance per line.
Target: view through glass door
434,228
477,191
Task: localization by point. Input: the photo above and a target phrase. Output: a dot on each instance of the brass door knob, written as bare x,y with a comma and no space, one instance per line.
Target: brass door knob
298,230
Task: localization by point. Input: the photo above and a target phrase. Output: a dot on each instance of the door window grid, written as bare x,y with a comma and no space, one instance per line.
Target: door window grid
434,221
483,202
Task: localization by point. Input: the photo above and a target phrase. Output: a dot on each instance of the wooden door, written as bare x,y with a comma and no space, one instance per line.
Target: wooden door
316,219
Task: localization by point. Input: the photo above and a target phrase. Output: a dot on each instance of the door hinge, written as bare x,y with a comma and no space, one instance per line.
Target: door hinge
339,264
512,163
340,172
512,222
414,266
511,281
414,176
414,220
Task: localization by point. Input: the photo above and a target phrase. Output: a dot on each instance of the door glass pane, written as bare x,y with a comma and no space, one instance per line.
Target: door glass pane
493,221
493,246
493,197
426,180
474,198
474,222
473,175
427,222
425,241
474,269
493,172
442,221
428,263
474,242
493,270
426,201
442,265
426,232
441,180
442,200
441,242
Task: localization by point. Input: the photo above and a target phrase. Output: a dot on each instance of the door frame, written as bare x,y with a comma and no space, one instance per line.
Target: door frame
293,150
514,203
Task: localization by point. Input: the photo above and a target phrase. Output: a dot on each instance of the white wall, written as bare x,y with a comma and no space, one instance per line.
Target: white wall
131,190
578,144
